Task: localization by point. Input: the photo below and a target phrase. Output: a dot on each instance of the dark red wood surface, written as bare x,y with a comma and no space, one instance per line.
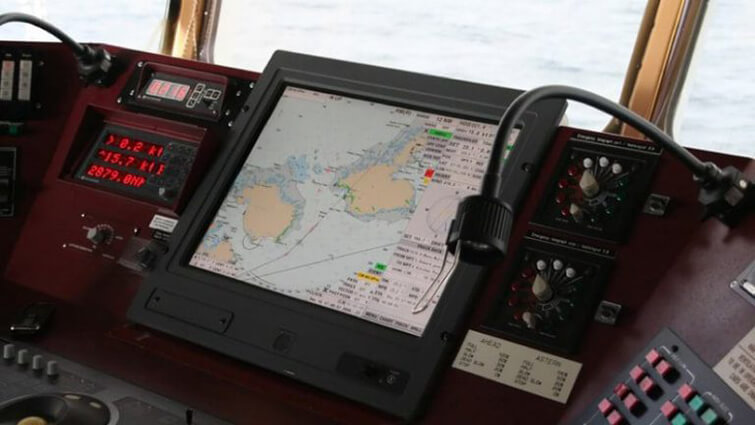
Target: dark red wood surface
673,271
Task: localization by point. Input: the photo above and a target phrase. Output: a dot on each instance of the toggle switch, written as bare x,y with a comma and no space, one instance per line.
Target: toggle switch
37,362
529,319
22,358
9,352
52,369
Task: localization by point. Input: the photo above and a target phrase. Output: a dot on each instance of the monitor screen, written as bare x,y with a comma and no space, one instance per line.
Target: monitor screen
346,203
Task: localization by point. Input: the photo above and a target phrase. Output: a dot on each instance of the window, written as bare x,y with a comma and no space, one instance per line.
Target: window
515,43
721,92
136,24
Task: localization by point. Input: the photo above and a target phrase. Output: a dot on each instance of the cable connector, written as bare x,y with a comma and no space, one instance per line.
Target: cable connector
729,197
480,230
96,66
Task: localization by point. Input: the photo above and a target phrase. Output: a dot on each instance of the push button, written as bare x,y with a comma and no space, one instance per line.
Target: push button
667,371
605,407
648,386
710,417
621,390
615,418
653,357
697,404
680,419
637,373
686,392
633,404
669,409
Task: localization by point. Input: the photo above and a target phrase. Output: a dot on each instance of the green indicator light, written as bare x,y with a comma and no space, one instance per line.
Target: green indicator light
440,133
380,267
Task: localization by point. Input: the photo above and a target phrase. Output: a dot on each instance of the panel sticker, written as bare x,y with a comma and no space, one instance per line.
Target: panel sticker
517,366
737,368
163,223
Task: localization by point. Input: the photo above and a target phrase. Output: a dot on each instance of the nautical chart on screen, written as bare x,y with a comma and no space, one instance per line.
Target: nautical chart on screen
346,203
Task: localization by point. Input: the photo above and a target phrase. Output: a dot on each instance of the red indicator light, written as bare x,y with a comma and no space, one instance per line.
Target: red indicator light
560,198
563,183
164,90
573,170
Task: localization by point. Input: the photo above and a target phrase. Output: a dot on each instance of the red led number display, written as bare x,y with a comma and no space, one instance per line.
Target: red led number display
130,161
134,145
113,175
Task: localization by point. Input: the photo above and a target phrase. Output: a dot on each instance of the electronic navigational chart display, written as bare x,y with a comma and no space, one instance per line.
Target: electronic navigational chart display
346,203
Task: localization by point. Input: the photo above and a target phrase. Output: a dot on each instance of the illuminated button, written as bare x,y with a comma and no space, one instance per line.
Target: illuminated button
686,392
560,198
588,163
563,184
621,390
669,409
182,92
527,273
616,168
697,404
680,419
666,370
570,272
605,407
513,300
633,403
603,161
615,418
541,265
637,373
710,417
573,171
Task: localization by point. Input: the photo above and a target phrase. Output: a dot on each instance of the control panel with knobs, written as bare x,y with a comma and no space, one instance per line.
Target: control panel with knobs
551,292
599,185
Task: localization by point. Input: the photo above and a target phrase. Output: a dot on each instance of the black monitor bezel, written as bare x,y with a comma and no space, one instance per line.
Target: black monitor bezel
420,357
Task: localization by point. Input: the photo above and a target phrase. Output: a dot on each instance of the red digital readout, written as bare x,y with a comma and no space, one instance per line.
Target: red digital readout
130,161
133,145
113,175
167,89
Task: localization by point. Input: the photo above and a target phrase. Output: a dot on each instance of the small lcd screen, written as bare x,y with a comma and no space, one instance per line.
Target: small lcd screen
145,164
346,203
167,89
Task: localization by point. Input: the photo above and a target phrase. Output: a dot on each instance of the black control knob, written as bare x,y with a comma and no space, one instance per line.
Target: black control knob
99,234
167,193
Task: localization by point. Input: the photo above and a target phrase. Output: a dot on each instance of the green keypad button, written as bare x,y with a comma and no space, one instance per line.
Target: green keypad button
710,417
680,419
697,403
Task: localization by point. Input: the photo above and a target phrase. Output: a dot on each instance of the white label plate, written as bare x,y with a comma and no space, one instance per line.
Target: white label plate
737,368
517,366
163,223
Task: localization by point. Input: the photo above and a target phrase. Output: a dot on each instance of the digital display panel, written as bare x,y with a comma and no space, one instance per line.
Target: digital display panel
346,203
168,89
149,165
